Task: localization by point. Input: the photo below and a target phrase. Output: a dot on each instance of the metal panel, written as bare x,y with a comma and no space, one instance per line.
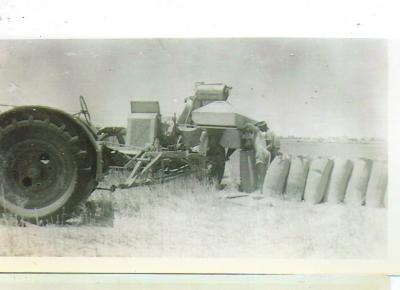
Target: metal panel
142,129
220,114
145,107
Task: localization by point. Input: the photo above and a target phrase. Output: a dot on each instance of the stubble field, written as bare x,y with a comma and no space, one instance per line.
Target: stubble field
185,218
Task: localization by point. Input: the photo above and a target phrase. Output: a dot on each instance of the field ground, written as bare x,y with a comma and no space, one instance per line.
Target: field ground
188,219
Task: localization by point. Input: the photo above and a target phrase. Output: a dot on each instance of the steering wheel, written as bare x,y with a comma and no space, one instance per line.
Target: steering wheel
84,109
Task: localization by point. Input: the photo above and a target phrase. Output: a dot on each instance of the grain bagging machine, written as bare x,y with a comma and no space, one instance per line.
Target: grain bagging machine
51,161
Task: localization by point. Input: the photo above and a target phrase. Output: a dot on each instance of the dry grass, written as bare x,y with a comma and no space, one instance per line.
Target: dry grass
186,219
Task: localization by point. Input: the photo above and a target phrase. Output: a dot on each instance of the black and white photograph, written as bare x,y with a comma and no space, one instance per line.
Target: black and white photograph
272,148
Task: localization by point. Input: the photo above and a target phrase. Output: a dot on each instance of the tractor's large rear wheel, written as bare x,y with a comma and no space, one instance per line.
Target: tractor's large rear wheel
40,164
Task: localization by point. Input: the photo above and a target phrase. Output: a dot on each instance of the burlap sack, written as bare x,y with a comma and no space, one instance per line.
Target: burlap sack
339,180
277,173
357,188
296,181
377,185
317,180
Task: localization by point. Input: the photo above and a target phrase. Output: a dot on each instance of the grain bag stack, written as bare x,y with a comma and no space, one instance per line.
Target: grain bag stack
317,180
297,178
357,188
377,185
277,173
339,180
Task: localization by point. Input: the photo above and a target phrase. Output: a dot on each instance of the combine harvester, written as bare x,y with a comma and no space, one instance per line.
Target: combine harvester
51,161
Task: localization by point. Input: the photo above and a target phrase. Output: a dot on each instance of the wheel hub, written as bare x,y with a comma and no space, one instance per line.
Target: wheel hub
32,165
35,171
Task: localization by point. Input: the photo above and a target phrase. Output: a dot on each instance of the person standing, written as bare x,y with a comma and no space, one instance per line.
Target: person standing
262,155
272,142
210,148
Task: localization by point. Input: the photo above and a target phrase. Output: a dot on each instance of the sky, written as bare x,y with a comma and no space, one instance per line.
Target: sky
302,87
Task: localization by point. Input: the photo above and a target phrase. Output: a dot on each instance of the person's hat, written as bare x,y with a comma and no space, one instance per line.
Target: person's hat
262,125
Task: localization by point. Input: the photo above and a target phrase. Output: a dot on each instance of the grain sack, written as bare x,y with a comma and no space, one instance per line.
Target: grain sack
339,180
275,179
355,193
248,176
317,180
377,185
297,177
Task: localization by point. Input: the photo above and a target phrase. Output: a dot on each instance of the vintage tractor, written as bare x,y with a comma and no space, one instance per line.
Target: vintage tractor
51,161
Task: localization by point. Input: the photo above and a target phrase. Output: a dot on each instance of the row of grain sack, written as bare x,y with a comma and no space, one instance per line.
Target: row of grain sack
315,180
